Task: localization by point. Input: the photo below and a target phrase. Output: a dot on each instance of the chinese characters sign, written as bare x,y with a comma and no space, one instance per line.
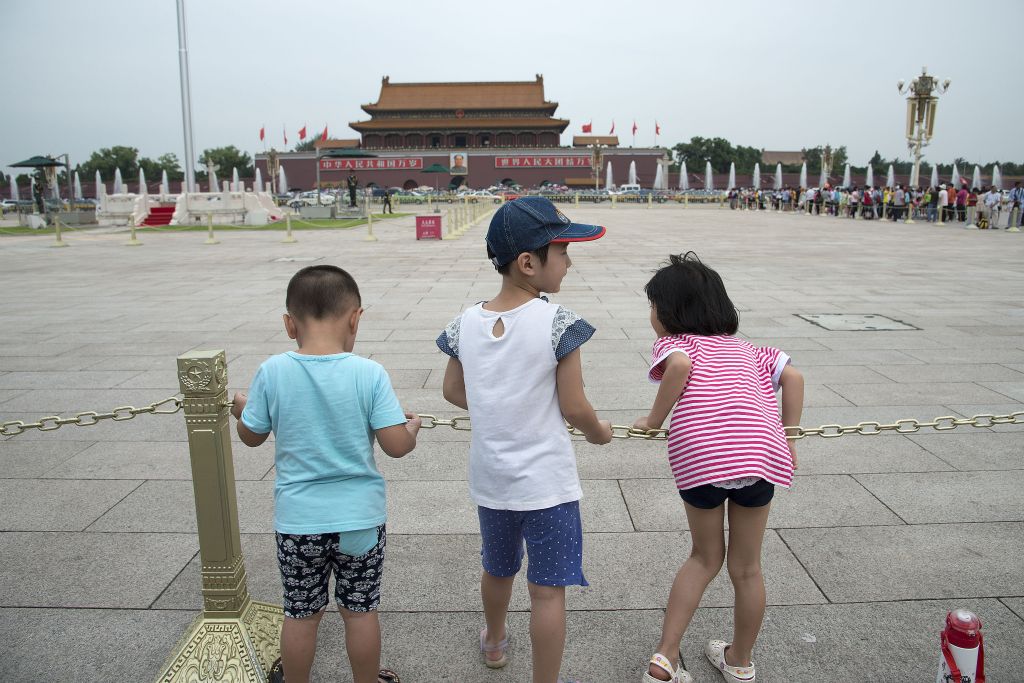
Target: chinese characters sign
542,162
415,163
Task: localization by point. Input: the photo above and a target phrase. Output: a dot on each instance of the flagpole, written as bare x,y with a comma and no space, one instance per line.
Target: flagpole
186,101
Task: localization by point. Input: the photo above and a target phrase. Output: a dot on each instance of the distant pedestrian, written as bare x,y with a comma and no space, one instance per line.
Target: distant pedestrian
1016,206
386,208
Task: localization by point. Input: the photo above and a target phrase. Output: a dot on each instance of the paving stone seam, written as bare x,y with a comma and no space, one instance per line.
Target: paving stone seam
1002,599
171,582
141,483
622,496
802,565
882,502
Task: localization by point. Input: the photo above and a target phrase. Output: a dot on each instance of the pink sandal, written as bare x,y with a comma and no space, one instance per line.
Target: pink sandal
501,647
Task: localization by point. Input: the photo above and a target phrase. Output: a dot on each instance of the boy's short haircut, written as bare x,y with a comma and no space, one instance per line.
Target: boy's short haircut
320,292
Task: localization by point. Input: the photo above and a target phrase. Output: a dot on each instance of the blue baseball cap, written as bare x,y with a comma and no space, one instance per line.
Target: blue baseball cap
529,223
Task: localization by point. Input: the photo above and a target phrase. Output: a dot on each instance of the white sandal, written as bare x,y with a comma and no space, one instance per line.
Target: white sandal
679,675
715,651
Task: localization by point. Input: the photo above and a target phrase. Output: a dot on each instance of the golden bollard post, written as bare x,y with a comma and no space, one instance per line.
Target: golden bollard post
289,239
132,241
58,242
235,638
210,239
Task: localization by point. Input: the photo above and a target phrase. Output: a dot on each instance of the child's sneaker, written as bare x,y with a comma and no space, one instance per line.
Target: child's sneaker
715,651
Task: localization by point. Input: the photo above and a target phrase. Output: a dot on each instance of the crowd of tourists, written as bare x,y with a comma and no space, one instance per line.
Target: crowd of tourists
984,208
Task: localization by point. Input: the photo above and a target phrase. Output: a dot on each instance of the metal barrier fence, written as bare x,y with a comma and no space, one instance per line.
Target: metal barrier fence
236,638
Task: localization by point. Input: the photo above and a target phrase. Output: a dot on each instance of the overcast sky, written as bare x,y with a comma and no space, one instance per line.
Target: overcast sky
780,76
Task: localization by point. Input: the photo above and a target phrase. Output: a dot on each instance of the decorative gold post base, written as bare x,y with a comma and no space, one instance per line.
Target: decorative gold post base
237,650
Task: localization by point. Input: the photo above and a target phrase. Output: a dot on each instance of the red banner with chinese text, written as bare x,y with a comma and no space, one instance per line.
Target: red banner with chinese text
400,163
542,162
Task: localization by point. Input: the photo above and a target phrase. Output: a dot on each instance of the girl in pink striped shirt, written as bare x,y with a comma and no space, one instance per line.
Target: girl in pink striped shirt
726,442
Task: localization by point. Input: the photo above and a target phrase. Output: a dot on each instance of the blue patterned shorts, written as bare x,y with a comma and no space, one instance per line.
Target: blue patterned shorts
307,562
553,538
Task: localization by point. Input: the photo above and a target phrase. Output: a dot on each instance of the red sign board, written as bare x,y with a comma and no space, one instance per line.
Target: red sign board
371,164
542,162
428,226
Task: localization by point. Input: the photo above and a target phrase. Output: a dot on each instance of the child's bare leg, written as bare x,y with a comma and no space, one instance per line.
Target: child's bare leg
495,592
298,646
547,631
703,564
362,643
746,533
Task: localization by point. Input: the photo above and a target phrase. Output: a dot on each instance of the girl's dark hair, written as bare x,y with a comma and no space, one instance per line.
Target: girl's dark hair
320,292
690,298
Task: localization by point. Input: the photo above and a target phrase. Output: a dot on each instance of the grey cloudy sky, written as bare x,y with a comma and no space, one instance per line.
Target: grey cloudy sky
780,75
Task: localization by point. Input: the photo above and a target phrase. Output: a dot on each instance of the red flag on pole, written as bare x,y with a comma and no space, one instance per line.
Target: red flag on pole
284,132
612,131
634,128
657,128
588,127
323,136
263,133
302,133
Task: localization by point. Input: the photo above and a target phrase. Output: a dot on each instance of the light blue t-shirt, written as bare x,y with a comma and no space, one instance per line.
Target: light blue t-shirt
323,411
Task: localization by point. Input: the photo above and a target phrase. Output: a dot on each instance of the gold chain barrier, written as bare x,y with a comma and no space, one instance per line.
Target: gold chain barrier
904,426
461,423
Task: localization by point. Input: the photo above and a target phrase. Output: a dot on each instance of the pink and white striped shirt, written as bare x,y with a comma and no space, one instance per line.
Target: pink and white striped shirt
726,423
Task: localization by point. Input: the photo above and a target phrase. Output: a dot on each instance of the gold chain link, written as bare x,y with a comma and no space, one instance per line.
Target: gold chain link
91,417
461,423
830,431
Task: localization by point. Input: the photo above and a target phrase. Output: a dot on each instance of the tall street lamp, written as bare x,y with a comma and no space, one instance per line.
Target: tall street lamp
921,106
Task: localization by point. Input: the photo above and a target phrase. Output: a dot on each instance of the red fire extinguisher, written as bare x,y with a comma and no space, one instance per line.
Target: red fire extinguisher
963,651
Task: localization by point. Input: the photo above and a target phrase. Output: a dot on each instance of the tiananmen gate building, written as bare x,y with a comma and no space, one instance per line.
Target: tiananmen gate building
483,133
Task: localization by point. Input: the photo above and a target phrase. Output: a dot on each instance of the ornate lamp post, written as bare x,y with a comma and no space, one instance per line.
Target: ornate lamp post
921,106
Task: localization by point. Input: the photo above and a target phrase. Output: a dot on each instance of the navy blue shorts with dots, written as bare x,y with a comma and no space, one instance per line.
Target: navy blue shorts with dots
553,538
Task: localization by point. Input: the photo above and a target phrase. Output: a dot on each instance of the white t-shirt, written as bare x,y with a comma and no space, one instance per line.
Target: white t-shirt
520,455
943,198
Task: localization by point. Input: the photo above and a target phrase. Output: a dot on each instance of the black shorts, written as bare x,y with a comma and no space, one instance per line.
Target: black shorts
307,562
709,496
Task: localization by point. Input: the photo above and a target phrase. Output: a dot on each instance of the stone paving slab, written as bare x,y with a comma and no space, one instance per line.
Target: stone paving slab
921,561
882,453
46,569
932,497
978,449
29,459
58,505
74,645
153,460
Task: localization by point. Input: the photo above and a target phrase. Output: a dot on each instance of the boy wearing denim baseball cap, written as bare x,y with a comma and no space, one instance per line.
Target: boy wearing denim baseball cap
515,365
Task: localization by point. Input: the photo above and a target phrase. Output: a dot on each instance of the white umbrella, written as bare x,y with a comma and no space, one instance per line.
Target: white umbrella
756,181
803,175
659,177
997,177
976,179
234,180
101,189
732,175
14,188
78,187
709,181
165,184
632,173
954,179
869,178
142,182
890,177
778,176
608,184
118,183
257,185
846,176
935,176
684,180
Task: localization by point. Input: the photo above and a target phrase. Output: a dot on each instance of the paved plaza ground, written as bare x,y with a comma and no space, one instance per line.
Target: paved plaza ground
879,537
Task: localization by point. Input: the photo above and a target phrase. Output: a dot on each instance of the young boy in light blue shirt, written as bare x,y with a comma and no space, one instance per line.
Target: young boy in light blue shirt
325,406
